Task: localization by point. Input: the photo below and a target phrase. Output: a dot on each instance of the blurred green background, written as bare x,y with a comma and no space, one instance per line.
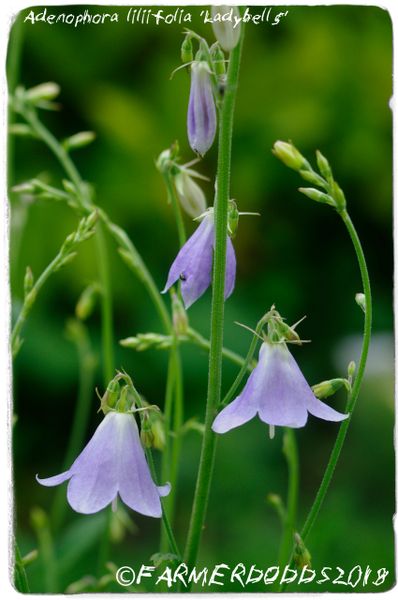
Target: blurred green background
322,78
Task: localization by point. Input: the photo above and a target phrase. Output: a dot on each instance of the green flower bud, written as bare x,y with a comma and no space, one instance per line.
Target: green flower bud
29,558
284,331
233,218
111,395
226,26
143,341
323,166
290,156
218,61
180,318
22,130
79,140
187,50
28,281
351,369
318,196
146,434
301,556
124,403
360,299
338,195
329,387
44,91
159,435
312,177
38,518
86,303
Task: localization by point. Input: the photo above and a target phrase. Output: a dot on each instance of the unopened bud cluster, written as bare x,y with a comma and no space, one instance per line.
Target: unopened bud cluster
330,193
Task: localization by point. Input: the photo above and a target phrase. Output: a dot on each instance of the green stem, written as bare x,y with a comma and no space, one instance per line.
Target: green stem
357,383
61,154
20,577
29,301
86,205
217,311
87,364
352,399
135,263
200,341
291,454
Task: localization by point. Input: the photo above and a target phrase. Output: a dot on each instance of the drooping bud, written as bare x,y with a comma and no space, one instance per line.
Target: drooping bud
187,50
301,556
360,299
329,387
180,318
202,117
290,156
226,26
190,195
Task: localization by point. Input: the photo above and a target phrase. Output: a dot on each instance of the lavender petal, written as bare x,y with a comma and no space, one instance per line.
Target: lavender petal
230,272
136,487
193,263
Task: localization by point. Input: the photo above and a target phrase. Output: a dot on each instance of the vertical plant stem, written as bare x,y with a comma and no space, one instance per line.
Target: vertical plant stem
353,396
217,310
291,454
20,577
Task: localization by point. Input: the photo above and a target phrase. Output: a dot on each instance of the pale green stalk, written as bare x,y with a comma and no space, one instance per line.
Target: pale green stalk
353,396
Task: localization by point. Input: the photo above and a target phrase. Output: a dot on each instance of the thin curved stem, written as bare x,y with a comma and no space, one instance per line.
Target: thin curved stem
357,383
217,311
353,396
